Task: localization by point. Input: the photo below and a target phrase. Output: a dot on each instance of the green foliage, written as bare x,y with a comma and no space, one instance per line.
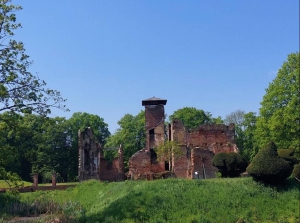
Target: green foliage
67,211
131,135
168,151
180,200
288,155
279,119
296,172
12,179
20,91
191,117
32,143
230,164
245,125
268,167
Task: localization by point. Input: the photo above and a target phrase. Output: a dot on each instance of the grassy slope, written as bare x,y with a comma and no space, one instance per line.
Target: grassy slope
175,200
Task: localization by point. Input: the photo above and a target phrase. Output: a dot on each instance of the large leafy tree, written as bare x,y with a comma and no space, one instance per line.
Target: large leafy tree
32,143
279,119
131,135
192,117
82,120
54,149
245,125
20,90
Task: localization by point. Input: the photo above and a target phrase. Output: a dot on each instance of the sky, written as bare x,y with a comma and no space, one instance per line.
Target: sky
106,56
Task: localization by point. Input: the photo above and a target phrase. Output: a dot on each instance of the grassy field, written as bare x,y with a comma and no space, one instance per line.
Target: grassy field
3,184
175,200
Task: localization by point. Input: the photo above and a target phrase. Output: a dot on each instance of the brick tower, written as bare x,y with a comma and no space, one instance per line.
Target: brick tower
154,118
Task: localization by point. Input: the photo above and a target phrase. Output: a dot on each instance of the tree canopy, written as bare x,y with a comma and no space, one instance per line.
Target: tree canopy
20,90
245,125
279,119
191,117
131,135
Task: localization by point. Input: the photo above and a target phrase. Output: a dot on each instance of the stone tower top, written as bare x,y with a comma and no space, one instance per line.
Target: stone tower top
154,101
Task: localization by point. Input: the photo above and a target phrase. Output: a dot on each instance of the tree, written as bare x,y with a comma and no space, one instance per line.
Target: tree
268,167
16,144
168,151
20,90
279,119
32,143
249,147
131,135
191,117
236,117
54,149
245,125
230,164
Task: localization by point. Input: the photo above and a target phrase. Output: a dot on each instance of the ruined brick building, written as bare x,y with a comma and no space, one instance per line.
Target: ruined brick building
198,148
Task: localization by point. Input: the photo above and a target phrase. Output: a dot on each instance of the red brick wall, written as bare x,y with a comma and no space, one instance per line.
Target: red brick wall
140,166
203,143
202,163
182,165
154,115
109,171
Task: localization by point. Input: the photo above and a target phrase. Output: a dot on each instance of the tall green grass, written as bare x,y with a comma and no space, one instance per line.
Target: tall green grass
178,200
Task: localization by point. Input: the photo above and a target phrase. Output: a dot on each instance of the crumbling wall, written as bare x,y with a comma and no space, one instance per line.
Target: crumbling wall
202,167
91,163
142,165
182,165
199,147
89,155
214,137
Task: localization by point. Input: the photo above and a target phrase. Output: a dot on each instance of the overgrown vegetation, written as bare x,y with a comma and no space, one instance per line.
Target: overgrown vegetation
176,200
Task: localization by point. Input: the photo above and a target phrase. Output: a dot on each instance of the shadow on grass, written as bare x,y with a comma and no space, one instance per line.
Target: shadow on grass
132,208
289,184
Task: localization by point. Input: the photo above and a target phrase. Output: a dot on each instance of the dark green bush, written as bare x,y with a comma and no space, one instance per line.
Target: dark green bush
296,172
268,167
230,164
288,155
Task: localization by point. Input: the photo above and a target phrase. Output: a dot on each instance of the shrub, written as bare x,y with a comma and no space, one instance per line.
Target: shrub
288,155
230,164
268,167
296,172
